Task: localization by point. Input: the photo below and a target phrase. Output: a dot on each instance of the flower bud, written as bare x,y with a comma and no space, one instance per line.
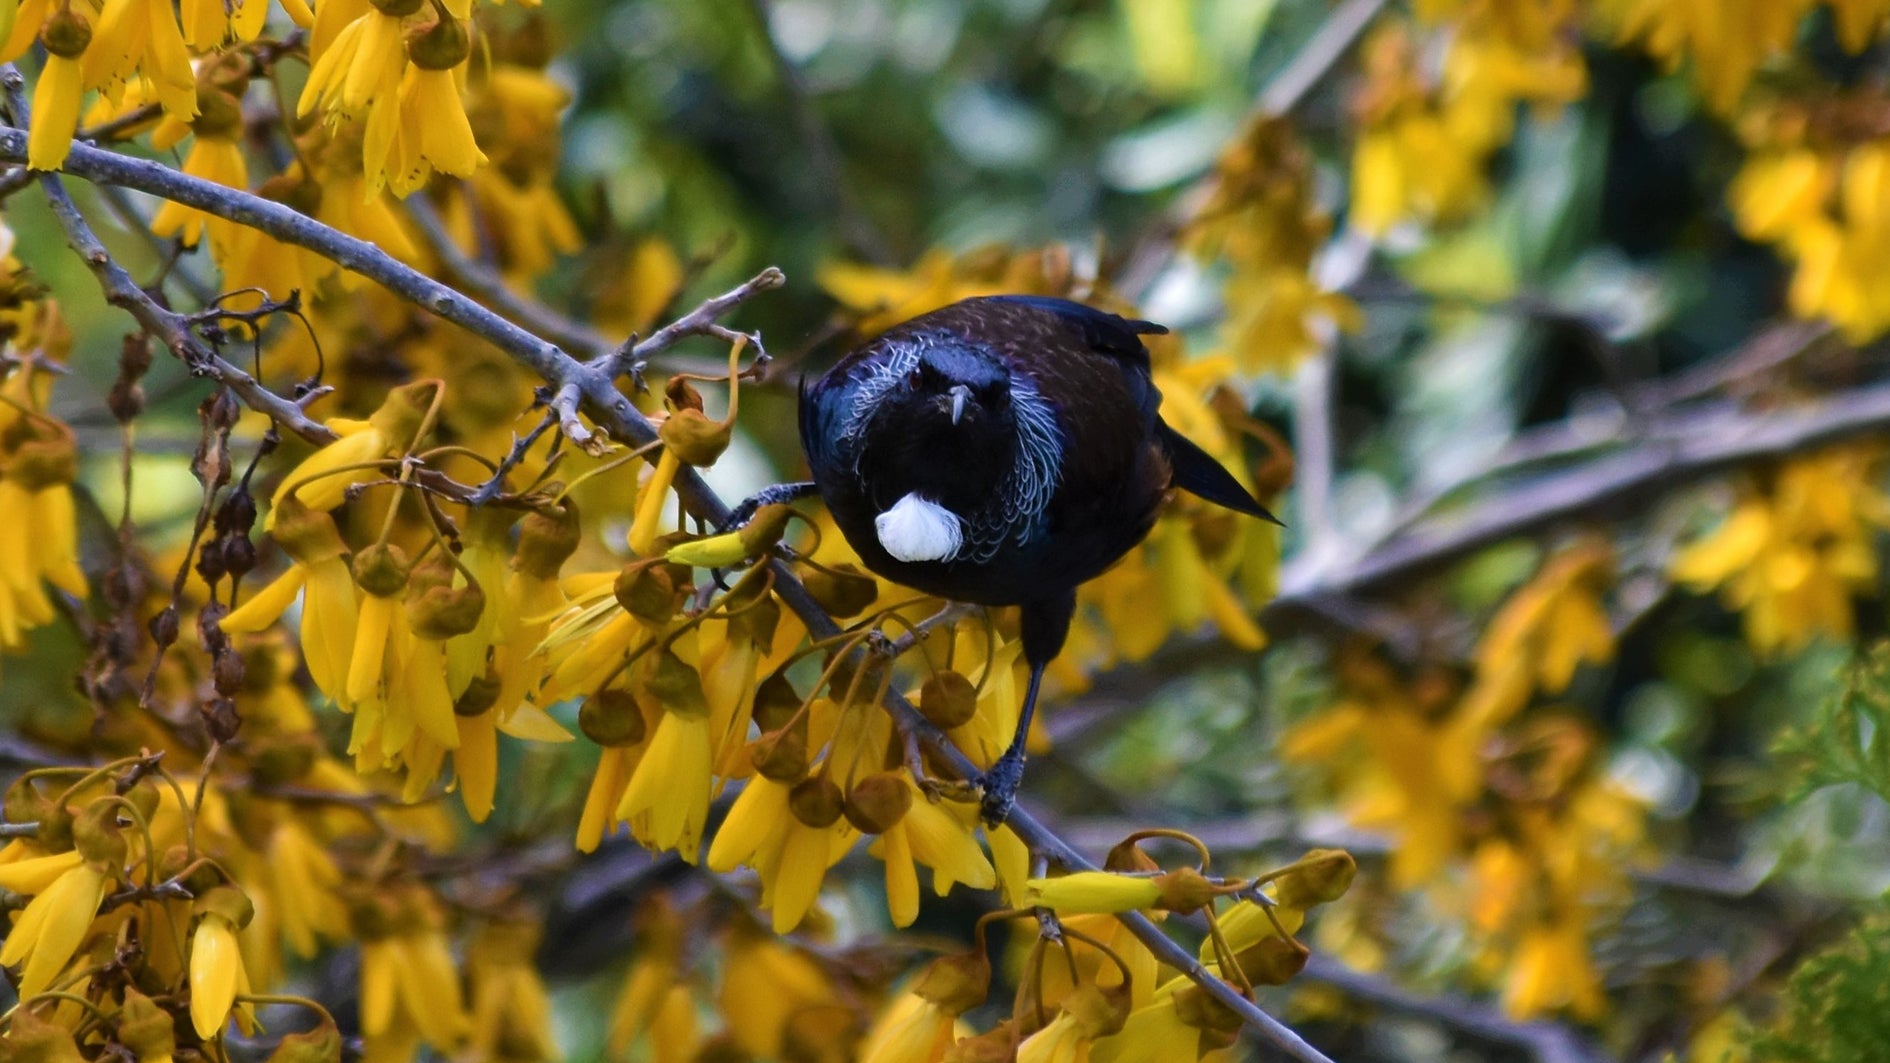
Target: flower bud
439,612
1184,890
145,1028
816,801
1273,960
956,982
715,551
381,570
219,114
843,590
66,34
693,438
1098,1012
1320,877
227,902
547,539
43,461
948,700
144,797
442,46
31,1039
97,837
1129,857
404,411
480,695
676,686
1092,892
775,702
878,802
307,535
612,718
781,756
647,591
1195,1007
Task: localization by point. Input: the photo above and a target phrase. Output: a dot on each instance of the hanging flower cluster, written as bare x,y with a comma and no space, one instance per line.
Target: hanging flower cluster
1427,131
1793,552
1260,218
39,547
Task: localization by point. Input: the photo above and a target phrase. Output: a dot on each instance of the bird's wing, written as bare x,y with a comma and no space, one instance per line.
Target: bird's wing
1117,338
1196,472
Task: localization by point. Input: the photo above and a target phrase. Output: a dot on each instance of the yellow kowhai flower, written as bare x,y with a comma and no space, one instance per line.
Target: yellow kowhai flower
1725,41
26,871
305,879
216,156
217,974
320,575
54,924
654,978
766,983
1083,892
1548,628
1552,970
40,544
1087,1013
1423,146
1261,218
937,835
60,89
141,39
911,1030
1790,559
209,24
426,132
408,982
791,835
321,481
511,1011
361,66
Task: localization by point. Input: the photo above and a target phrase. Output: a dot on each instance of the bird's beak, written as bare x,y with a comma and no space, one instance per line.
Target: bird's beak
960,393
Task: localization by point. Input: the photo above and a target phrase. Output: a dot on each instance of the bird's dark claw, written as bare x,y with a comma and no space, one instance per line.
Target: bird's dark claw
998,788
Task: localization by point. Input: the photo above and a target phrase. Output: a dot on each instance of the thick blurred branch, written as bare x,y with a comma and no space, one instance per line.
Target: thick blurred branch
1674,449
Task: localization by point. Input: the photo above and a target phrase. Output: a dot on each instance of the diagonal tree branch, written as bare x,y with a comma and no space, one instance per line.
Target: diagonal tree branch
171,328
611,410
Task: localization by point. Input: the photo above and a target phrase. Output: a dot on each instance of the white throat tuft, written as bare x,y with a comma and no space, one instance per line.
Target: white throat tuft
916,529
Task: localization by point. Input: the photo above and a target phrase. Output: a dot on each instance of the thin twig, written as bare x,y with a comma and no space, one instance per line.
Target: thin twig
120,290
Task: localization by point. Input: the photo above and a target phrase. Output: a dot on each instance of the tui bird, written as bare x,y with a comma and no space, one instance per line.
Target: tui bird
1001,451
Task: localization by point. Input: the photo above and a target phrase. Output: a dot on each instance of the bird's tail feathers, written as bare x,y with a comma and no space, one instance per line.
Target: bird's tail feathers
1196,472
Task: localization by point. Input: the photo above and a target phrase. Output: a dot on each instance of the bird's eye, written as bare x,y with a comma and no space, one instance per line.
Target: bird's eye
914,377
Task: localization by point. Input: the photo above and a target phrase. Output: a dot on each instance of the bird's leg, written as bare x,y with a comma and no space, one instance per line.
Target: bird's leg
1045,623
1000,782
768,496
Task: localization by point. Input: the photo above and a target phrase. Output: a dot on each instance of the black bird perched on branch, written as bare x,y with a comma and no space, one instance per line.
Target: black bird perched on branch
1001,451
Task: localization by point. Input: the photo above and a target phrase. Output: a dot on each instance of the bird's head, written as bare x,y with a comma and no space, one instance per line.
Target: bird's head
956,386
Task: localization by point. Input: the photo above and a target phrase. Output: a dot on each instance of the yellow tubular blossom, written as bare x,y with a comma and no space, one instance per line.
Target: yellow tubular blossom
1789,559
53,925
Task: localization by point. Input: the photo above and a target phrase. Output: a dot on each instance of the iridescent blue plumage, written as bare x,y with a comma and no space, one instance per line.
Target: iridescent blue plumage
1002,450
